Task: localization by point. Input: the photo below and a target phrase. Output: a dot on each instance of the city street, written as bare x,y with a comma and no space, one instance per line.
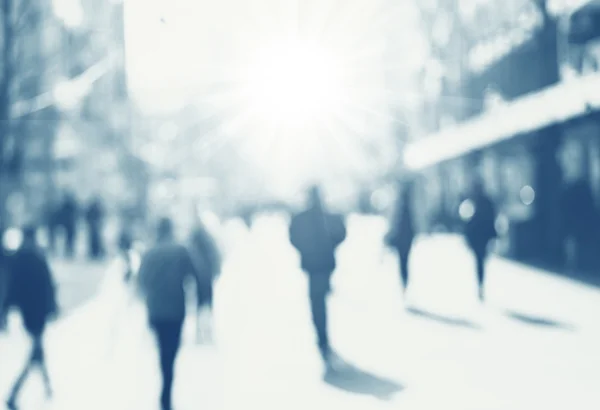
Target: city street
532,345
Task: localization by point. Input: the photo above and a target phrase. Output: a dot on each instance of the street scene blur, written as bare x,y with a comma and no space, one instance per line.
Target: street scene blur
295,204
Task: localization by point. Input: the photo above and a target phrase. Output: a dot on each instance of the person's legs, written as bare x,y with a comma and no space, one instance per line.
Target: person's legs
480,257
404,256
168,334
318,307
36,358
39,359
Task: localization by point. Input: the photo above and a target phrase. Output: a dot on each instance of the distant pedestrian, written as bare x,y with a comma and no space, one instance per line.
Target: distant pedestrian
125,248
402,232
316,234
206,256
32,291
68,218
95,222
480,230
162,277
4,282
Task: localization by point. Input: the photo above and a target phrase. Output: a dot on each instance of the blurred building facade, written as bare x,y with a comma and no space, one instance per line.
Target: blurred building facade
531,132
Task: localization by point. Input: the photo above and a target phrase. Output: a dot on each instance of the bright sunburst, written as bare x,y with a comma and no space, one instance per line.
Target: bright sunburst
305,89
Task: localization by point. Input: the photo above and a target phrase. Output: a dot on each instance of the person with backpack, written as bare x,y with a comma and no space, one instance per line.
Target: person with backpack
161,278
316,234
32,291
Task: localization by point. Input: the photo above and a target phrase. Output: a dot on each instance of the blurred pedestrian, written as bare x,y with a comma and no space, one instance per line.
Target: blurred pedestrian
162,277
32,291
402,232
480,230
125,249
4,282
95,221
52,222
206,256
68,218
316,234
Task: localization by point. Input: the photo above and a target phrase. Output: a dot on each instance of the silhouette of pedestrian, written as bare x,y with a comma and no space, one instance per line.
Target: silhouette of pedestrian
125,247
480,230
95,218
206,256
316,234
68,218
32,291
4,282
52,220
402,231
162,276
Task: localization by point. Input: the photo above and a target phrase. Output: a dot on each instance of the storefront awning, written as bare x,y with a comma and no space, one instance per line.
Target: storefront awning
555,104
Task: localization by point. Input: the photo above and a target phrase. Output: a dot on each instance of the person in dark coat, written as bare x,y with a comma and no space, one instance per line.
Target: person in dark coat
316,234
402,233
480,230
52,219
206,256
33,293
4,296
95,218
164,269
68,219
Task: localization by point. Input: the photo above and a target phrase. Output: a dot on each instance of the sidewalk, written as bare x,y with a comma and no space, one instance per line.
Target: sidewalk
78,283
533,345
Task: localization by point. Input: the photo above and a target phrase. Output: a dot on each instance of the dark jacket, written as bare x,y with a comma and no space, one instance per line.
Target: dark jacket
481,228
205,253
31,287
402,232
316,235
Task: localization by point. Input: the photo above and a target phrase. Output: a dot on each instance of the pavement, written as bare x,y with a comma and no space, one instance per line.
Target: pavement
532,345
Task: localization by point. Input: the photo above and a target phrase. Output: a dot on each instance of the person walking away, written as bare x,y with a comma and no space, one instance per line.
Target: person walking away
402,232
4,300
316,234
95,219
480,230
32,291
68,218
205,254
162,276
52,222
125,248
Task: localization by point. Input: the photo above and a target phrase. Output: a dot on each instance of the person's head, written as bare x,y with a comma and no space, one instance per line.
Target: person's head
165,229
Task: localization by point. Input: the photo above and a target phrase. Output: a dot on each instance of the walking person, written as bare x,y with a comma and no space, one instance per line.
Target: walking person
479,232
32,291
402,232
125,248
95,221
316,234
206,256
162,277
69,213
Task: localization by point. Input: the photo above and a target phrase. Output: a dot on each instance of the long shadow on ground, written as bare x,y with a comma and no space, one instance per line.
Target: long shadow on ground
533,320
443,319
350,378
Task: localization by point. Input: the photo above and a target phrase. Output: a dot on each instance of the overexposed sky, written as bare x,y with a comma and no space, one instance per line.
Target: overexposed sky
303,89
177,48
